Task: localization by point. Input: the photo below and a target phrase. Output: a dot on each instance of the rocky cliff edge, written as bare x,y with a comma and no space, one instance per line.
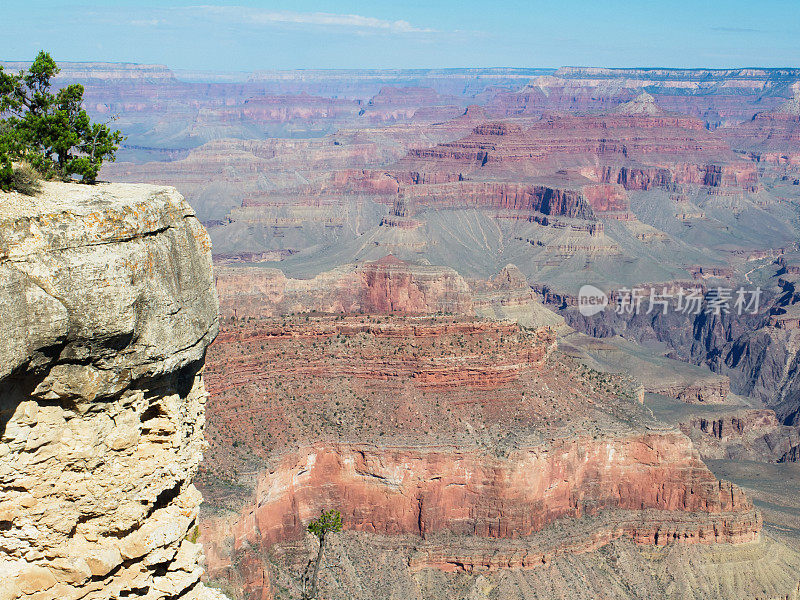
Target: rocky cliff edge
106,309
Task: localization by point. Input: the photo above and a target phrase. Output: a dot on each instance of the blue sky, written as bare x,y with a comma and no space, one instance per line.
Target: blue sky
242,36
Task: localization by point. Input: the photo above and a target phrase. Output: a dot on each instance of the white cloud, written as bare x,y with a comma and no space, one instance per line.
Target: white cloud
247,15
147,22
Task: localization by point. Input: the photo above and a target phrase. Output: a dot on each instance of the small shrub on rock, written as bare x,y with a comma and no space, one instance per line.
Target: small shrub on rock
26,180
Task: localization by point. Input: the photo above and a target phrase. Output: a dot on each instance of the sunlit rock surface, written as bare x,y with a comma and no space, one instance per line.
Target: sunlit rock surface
106,310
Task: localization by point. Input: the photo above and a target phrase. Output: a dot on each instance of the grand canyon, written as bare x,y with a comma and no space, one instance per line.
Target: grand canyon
361,291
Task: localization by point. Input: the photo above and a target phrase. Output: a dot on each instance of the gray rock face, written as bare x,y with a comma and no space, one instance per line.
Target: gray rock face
759,353
106,309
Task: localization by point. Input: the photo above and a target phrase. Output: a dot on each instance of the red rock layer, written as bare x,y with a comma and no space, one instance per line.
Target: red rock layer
629,137
511,196
426,427
442,190
388,285
392,285
771,137
616,151
743,175
511,353
636,151
273,380
422,491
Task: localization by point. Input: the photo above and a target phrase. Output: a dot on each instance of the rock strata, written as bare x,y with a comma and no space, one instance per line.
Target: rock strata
388,285
402,490
467,440
107,308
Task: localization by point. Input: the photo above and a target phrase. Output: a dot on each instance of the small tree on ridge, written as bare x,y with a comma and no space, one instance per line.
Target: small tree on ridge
329,521
50,131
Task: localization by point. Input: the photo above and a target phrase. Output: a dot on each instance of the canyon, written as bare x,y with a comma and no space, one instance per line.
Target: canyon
423,448
397,257
435,204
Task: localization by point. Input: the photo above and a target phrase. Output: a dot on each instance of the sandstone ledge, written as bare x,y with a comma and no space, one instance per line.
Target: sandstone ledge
107,307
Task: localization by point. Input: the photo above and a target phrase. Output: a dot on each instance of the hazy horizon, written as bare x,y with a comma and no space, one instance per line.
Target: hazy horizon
62,63
222,36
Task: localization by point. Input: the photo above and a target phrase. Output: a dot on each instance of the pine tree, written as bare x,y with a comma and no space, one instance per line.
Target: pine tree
50,131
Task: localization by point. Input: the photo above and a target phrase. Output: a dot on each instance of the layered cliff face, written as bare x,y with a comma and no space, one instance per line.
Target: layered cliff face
547,200
679,146
771,137
385,286
745,434
469,443
425,491
107,308
388,285
718,97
